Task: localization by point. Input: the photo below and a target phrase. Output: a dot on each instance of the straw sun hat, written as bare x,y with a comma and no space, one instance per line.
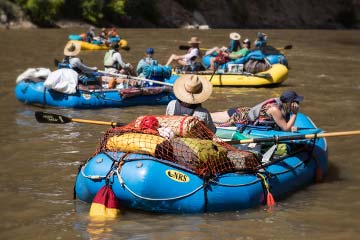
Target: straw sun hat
72,49
235,36
192,89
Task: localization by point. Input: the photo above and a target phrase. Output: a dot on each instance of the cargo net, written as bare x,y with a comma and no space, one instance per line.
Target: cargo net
183,140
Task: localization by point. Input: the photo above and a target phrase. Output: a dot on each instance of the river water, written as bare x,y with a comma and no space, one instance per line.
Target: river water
39,162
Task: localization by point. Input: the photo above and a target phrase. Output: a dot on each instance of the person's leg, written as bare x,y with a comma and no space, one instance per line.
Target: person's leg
220,117
171,58
212,50
212,64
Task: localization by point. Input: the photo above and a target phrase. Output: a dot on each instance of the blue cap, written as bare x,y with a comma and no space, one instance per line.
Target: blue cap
150,50
290,96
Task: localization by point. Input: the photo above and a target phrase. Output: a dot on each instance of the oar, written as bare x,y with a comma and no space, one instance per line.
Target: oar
44,117
126,48
287,47
215,69
261,75
185,47
136,78
294,137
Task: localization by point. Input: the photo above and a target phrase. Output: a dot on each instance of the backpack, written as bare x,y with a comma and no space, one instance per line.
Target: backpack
255,66
108,60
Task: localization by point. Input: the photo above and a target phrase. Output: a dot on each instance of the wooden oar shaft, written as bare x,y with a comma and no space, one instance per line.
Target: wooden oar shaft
79,120
295,137
135,78
333,134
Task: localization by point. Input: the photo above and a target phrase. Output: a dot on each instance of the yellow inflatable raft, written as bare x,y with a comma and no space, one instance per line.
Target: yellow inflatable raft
90,46
277,74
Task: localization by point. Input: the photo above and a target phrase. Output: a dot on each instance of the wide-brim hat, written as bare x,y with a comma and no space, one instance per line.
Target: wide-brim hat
192,89
194,40
235,36
72,49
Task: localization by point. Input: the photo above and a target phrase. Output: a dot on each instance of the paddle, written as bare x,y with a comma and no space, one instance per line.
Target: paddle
185,47
294,137
215,69
287,47
126,48
135,78
56,62
44,117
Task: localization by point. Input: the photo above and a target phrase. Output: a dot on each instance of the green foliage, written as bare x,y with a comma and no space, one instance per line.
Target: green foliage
11,10
41,12
117,7
92,10
115,10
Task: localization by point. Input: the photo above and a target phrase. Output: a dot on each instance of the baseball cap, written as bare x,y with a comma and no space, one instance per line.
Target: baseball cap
290,96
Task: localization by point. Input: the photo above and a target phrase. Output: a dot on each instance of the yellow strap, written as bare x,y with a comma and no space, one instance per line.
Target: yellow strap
264,180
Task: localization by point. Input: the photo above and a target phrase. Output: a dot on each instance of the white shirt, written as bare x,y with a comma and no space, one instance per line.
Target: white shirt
75,62
193,52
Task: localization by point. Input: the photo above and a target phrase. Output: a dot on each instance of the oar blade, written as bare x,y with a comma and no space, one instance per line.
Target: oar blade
126,48
287,47
43,117
184,47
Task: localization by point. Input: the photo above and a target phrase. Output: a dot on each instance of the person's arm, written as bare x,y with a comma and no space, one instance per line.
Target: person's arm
140,66
170,108
280,120
117,57
75,62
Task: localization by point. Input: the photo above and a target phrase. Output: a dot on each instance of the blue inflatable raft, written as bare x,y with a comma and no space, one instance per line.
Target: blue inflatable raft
34,93
157,185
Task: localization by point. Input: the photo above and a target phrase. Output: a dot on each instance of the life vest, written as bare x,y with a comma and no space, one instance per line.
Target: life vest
150,61
186,111
109,62
254,112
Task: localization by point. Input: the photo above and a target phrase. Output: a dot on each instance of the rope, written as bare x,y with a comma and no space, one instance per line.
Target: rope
235,185
122,183
93,177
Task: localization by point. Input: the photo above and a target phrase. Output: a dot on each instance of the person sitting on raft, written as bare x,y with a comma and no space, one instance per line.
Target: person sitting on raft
71,52
190,57
281,111
261,40
114,63
147,60
191,91
224,56
234,45
90,35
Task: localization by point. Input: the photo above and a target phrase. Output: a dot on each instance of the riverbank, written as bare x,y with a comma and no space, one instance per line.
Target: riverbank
308,14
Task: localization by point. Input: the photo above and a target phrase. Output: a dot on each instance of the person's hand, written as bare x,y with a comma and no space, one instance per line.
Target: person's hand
294,107
294,129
